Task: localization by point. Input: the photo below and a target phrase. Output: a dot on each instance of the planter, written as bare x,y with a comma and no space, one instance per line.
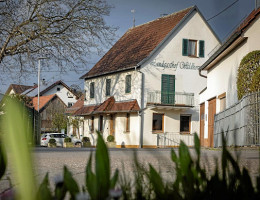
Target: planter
111,144
52,145
86,144
68,145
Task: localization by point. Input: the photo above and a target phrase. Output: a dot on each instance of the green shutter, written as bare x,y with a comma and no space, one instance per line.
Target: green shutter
201,48
128,84
168,89
92,90
184,47
108,87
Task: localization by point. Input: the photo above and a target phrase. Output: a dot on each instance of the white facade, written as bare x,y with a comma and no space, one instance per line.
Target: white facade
63,93
222,75
146,84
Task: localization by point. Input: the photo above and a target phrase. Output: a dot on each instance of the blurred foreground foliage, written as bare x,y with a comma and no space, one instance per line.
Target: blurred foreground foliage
189,181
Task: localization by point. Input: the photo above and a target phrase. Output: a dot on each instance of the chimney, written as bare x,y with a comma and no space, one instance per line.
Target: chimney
43,82
257,4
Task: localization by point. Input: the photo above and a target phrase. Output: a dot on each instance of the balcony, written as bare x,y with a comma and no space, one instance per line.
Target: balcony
177,99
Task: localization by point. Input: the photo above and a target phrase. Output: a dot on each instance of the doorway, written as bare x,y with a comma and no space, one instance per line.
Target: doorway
212,112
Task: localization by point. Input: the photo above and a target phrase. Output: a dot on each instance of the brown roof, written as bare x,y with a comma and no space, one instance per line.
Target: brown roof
137,44
43,101
233,37
18,89
109,106
76,106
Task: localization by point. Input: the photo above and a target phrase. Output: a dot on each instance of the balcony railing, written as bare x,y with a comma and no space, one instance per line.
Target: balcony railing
176,98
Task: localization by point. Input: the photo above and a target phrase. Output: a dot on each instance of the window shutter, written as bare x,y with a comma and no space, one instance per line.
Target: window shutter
171,89
92,90
184,47
128,84
201,48
168,89
108,87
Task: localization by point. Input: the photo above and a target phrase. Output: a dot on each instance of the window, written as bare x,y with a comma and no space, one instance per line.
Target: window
185,121
158,122
189,48
108,87
92,90
127,128
92,124
58,89
70,104
128,84
222,102
101,123
192,48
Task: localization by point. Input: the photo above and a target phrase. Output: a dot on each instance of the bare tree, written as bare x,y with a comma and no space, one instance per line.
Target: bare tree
67,30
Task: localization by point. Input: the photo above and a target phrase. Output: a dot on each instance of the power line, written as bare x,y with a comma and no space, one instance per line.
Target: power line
223,10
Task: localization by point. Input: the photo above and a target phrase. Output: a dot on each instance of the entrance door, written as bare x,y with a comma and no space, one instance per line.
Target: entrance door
112,125
202,114
168,89
212,112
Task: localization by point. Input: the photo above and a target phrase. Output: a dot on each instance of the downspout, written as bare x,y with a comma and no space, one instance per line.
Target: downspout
202,74
141,113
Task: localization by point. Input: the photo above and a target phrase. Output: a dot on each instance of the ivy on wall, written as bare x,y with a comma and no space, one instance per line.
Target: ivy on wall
248,76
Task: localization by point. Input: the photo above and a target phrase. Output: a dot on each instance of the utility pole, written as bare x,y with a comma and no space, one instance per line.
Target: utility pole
38,103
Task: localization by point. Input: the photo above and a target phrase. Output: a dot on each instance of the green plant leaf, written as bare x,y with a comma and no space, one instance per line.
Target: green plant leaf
184,157
17,140
197,145
70,183
102,168
157,183
114,179
3,161
91,180
44,192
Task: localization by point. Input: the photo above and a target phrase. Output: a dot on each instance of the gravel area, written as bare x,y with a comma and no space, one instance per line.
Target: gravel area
52,161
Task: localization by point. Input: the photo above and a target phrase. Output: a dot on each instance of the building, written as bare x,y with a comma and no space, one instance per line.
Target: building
48,106
221,68
64,92
17,89
145,90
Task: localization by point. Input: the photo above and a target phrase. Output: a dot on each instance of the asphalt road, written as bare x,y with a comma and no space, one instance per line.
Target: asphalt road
52,160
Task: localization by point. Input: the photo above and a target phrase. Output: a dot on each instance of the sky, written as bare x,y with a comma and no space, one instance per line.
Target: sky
148,10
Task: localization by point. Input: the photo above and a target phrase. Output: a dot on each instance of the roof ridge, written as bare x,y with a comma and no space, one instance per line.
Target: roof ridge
168,15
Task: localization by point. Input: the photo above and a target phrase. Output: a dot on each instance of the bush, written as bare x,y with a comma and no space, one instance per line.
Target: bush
110,138
67,139
85,139
248,74
52,141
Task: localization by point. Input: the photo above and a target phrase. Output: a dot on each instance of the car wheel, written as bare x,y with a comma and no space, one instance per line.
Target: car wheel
78,144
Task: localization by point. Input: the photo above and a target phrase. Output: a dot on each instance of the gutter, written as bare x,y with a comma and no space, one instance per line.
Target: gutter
140,112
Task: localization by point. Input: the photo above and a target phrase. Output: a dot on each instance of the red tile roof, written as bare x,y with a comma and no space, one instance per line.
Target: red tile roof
76,106
136,44
43,101
109,106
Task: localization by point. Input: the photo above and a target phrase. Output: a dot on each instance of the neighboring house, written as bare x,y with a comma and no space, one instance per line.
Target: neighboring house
221,68
65,93
17,89
48,106
145,90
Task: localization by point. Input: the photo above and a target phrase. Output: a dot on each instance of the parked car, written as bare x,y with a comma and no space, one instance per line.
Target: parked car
59,137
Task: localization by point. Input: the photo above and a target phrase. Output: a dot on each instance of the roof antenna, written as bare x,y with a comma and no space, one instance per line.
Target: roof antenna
133,11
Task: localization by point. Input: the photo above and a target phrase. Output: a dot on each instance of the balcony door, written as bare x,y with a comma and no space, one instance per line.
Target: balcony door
168,89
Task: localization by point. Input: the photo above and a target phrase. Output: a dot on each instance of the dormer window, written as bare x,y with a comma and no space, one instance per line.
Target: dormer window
193,48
